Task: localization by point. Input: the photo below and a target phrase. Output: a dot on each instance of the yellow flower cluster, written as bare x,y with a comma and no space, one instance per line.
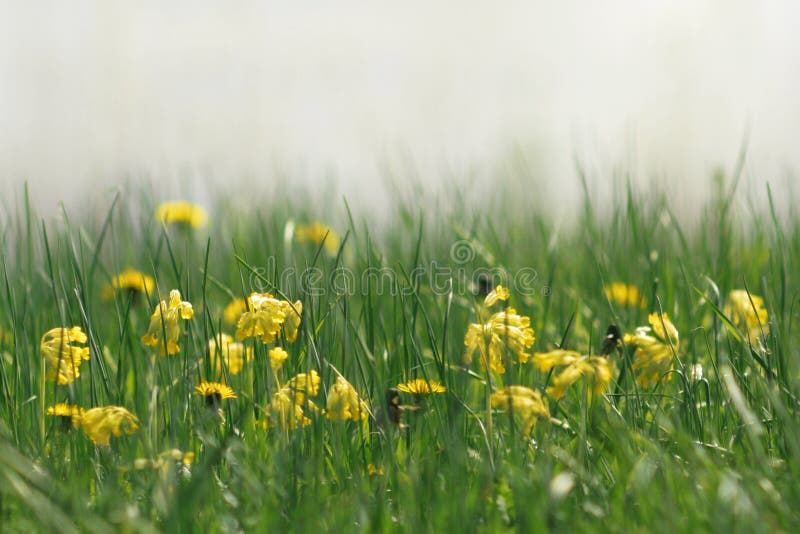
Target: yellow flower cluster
496,294
62,359
224,350
132,281
504,332
626,295
596,369
747,312
234,310
276,358
288,402
164,322
344,402
653,356
524,402
103,422
266,315
315,233
181,212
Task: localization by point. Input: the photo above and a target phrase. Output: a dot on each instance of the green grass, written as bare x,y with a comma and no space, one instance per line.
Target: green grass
721,453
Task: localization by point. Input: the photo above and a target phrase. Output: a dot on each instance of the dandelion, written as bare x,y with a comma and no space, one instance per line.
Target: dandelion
523,401
625,295
316,233
505,331
747,312
234,310
165,321
653,356
103,422
596,369
214,392
496,294
265,317
62,358
421,387
276,358
223,349
181,212
344,402
134,282
68,414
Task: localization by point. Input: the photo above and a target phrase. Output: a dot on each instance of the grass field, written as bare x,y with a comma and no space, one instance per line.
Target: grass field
691,427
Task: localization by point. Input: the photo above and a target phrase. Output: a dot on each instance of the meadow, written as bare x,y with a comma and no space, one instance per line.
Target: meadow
249,366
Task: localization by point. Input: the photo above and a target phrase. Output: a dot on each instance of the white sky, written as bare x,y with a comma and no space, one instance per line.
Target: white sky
172,92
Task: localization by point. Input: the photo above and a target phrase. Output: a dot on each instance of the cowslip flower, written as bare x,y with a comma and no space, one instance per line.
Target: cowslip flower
747,312
132,281
62,358
315,233
596,369
103,422
214,392
164,321
234,310
496,294
523,401
505,331
181,212
276,357
625,295
223,349
344,402
265,317
653,356
288,402
421,387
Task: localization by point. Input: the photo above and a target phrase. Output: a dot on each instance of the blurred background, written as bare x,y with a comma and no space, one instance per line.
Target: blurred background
371,100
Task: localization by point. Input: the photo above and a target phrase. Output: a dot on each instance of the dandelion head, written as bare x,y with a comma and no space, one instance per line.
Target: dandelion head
625,295
181,212
214,392
131,281
421,387
317,233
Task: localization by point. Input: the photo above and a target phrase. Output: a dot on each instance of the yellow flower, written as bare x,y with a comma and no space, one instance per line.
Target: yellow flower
100,423
165,321
498,293
181,212
131,280
505,331
276,357
232,353
372,470
596,369
288,402
234,310
625,295
316,233
265,317
525,402
214,392
749,317
420,386
66,411
62,358
653,356
344,402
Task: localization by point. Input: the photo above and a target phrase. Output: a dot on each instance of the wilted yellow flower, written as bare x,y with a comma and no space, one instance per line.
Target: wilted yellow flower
165,321
265,317
749,317
288,402
625,295
63,359
596,369
525,402
100,423
224,349
498,293
420,387
132,281
181,212
505,331
276,357
653,356
315,233
234,310
344,402
214,392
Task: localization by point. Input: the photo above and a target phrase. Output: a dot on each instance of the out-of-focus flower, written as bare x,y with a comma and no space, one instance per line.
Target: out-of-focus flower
214,392
496,294
69,414
653,356
181,212
103,422
596,370
696,372
164,322
344,402
61,357
504,332
748,314
523,401
625,295
288,402
315,233
421,387
234,310
223,349
276,357
132,281
265,317
372,470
